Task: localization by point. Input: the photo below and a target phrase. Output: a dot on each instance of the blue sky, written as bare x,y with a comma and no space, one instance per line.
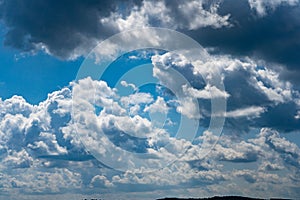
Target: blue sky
82,117
33,77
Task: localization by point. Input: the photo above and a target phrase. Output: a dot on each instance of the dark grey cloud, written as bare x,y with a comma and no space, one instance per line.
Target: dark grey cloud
257,97
68,29
279,116
64,27
273,37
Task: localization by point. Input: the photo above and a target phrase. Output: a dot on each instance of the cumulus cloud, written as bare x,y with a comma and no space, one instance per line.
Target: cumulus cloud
158,106
28,133
40,182
46,156
208,172
137,98
19,159
100,181
254,93
122,131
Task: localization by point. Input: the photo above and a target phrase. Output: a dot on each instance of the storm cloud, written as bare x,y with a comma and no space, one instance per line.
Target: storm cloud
66,29
273,37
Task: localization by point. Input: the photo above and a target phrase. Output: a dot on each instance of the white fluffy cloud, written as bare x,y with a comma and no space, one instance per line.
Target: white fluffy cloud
137,98
263,149
190,15
198,17
268,149
40,144
158,106
209,92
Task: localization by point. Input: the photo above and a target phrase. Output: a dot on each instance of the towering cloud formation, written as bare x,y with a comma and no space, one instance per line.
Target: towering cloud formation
39,144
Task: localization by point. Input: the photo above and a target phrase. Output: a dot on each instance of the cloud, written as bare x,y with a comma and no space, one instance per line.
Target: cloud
268,166
46,26
197,16
257,37
14,105
41,154
189,15
19,159
158,106
208,92
245,112
35,128
262,7
136,98
290,152
100,181
230,149
125,84
165,69
256,95
221,26
71,34
38,182
206,172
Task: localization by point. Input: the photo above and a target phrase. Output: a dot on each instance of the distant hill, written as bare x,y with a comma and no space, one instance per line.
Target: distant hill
221,198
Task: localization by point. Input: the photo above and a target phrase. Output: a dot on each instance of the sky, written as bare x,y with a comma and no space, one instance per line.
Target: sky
149,99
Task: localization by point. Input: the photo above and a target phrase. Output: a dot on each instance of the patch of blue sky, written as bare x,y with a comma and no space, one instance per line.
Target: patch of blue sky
33,76
136,68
